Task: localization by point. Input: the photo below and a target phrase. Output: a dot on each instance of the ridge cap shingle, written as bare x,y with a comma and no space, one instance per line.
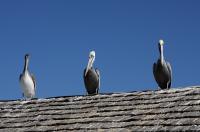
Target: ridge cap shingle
77,97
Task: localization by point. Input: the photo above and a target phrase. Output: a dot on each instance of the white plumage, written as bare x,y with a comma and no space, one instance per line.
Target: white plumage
27,81
27,85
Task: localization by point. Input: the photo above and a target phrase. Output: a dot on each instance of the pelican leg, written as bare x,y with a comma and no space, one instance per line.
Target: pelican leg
23,97
97,91
168,85
32,96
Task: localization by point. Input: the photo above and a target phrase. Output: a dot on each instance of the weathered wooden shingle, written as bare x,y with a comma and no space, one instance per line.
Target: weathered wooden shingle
174,110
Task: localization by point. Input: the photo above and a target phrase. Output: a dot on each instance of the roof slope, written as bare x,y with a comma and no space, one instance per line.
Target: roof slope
175,109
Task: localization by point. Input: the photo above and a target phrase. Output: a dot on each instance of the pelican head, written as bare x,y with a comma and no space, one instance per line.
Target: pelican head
91,61
160,46
26,62
161,42
27,56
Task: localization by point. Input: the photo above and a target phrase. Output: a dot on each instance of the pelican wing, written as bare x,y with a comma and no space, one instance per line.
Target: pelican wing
20,77
34,81
155,72
170,72
98,74
84,77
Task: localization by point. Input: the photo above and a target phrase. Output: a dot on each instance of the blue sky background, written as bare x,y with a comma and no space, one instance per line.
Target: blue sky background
124,34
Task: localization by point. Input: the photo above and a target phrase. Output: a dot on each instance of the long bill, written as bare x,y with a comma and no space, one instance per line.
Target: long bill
89,65
161,54
26,64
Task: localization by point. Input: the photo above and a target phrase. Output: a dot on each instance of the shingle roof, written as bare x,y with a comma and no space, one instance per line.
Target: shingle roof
175,109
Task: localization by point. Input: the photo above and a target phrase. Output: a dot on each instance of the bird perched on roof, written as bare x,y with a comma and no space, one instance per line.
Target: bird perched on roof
27,80
162,69
91,76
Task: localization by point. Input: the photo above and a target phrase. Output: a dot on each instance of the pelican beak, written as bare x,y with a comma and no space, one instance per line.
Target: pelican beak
89,65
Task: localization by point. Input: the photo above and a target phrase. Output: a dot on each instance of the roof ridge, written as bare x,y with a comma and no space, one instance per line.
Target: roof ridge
179,89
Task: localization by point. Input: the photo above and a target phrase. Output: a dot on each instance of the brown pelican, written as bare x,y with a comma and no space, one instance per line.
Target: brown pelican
162,70
27,80
91,76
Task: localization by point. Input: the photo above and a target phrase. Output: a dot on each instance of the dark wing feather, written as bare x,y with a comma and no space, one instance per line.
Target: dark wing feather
155,72
34,81
98,74
84,76
170,72
20,77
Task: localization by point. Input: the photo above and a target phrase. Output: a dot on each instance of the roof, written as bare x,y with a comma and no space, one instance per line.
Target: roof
175,109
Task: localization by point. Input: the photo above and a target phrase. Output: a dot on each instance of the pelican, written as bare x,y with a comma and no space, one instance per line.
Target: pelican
91,76
162,70
27,81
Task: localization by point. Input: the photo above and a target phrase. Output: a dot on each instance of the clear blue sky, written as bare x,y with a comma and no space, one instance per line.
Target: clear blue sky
124,34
